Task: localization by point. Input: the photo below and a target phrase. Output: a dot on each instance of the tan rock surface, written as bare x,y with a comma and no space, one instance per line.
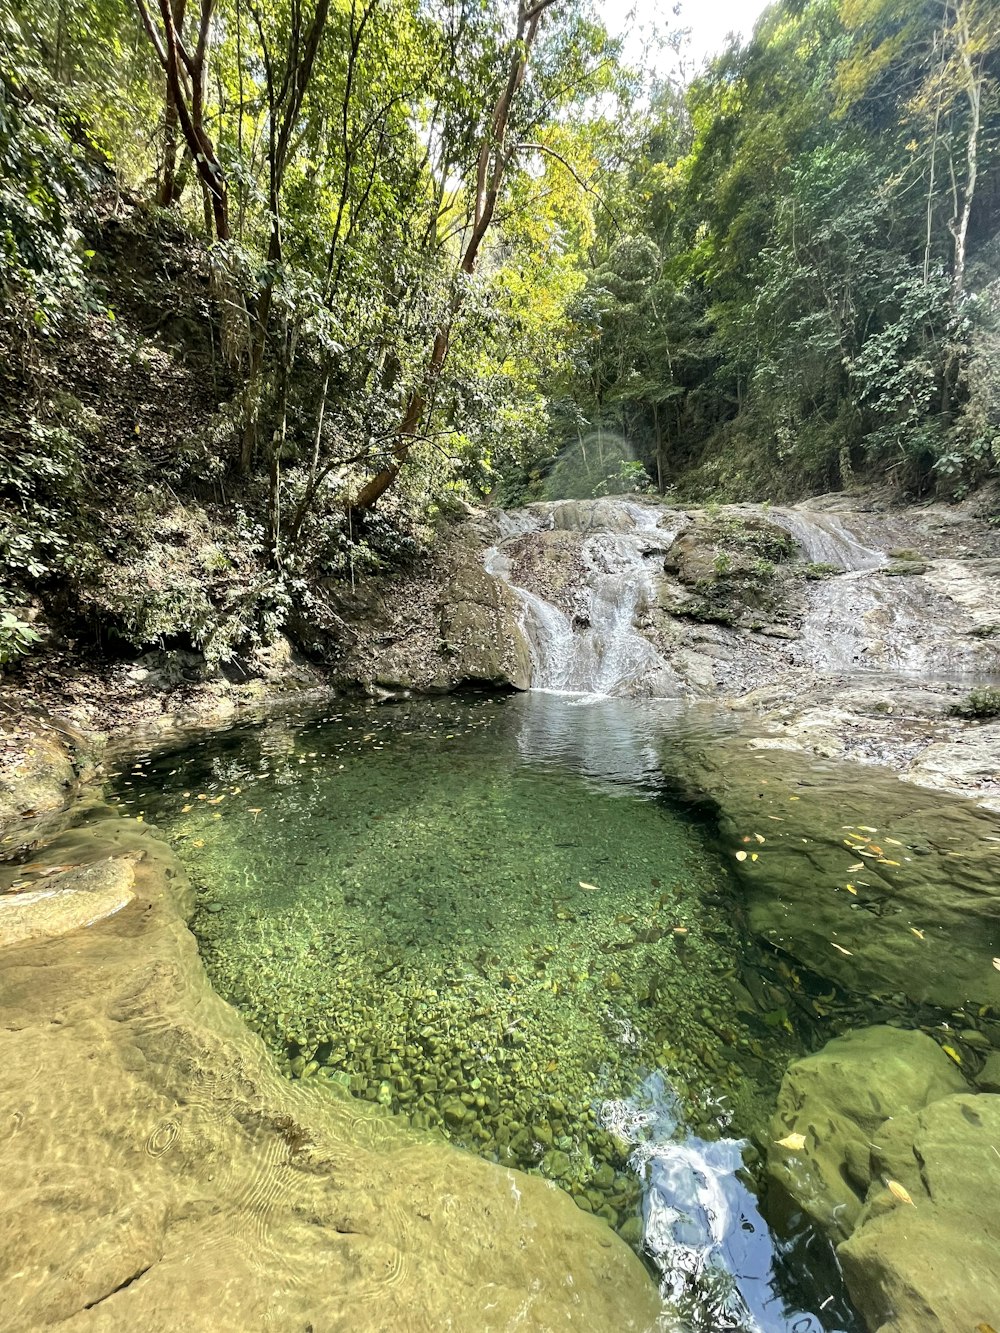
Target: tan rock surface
159,1175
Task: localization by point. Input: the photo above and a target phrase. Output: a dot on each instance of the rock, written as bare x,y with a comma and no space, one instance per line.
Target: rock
988,1078
40,781
837,1100
556,1164
631,1231
114,1046
933,1267
68,901
922,916
480,632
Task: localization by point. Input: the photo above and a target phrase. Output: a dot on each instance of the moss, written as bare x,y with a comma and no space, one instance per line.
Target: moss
979,705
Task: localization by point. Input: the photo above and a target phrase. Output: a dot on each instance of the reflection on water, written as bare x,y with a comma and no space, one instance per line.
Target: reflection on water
722,1270
482,915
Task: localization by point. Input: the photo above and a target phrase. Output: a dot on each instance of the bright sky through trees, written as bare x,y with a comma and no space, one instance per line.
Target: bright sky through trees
709,21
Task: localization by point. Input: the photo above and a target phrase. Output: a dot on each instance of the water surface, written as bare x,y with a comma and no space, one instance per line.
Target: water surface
484,915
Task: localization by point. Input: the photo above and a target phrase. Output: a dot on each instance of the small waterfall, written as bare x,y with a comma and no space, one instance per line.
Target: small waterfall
826,541
596,649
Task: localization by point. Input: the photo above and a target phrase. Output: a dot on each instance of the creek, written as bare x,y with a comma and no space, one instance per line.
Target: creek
491,916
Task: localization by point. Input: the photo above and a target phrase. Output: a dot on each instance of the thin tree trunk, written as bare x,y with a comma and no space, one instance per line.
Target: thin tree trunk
494,159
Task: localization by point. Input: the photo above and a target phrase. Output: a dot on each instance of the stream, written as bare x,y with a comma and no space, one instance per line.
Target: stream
490,916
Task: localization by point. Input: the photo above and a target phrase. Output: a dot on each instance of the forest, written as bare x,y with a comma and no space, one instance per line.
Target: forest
287,283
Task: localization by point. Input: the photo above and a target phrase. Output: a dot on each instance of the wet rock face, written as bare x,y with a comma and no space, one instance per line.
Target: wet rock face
869,881
895,1158
836,1101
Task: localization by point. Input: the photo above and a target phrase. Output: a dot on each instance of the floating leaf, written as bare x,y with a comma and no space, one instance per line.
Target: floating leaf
186,808
996,964
741,856
950,1050
858,865
591,888
846,952
897,1190
867,828
680,930
893,842
851,889
760,838
754,856
794,1142
919,933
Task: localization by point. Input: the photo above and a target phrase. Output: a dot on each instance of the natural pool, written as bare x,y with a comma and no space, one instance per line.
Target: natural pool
485,915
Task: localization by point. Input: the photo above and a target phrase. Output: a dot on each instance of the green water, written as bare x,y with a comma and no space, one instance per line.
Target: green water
483,915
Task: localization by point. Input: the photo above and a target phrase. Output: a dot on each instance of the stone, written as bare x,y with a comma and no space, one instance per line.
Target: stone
70,900
933,1267
988,1078
836,1100
181,1131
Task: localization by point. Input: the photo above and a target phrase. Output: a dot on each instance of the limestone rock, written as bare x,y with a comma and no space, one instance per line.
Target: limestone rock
69,900
41,780
935,1266
922,914
837,1100
159,1174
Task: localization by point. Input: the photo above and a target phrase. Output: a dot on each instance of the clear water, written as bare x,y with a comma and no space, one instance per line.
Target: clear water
483,915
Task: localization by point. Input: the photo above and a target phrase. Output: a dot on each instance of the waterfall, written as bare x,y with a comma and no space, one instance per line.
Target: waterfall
826,541
594,645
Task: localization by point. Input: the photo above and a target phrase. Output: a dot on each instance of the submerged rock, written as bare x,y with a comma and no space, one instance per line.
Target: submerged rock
159,1173
872,882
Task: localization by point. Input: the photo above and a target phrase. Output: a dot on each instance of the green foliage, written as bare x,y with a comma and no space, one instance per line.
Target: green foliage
17,637
979,705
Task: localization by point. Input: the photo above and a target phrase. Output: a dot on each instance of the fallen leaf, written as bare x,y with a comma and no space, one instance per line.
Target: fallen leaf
851,889
846,952
778,819
754,856
741,856
680,930
186,808
591,888
984,1328
795,1142
950,1050
858,865
760,838
919,933
867,828
884,861
996,964
893,842
897,1190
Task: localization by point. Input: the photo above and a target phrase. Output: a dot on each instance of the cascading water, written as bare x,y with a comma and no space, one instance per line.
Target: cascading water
596,649
826,541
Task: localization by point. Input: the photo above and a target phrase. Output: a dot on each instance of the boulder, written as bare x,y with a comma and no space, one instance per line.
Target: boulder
933,1266
837,1100
41,778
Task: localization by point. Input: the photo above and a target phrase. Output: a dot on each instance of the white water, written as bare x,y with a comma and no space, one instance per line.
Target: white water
599,651
826,541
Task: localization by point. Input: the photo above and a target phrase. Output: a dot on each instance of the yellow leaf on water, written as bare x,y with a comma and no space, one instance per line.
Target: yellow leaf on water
897,1190
950,1050
197,842
795,798
794,1142
867,828
591,888
884,861
851,889
996,964
893,842
760,838
984,1328
778,819
741,856
754,856
858,865
186,808
847,953
919,933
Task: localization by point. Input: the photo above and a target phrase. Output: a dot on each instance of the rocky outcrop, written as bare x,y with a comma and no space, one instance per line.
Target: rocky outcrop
878,1138
879,885
159,1174
836,1102
37,776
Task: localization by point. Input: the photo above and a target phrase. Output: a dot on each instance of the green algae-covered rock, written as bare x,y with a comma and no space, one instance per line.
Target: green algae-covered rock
836,1101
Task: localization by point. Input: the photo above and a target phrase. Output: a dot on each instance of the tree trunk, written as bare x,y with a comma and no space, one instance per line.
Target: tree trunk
494,158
